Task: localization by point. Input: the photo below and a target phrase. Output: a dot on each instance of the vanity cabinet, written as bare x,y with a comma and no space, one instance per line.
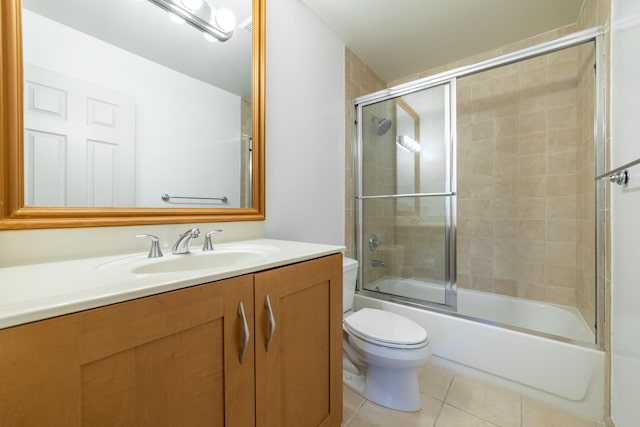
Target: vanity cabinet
299,363
214,354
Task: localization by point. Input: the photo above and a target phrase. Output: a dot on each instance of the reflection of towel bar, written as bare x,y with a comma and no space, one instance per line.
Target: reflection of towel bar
167,198
619,175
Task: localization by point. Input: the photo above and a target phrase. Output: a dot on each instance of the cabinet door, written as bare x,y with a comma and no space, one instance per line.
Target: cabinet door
299,349
168,360
38,373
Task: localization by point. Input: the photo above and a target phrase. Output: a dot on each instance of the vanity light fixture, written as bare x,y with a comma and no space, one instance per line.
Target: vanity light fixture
408,144
175,18
192,5
217,24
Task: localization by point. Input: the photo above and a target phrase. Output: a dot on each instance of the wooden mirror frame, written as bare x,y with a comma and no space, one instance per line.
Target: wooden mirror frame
14,215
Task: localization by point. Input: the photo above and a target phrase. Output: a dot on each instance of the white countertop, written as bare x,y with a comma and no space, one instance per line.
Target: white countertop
39,291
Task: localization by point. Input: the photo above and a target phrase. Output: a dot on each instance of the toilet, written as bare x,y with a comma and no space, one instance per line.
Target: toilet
381,351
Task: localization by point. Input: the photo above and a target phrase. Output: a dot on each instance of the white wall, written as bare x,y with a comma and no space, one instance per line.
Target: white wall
625,214
176,115
304,126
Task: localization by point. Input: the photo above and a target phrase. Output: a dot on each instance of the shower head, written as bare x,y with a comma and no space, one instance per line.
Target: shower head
382,125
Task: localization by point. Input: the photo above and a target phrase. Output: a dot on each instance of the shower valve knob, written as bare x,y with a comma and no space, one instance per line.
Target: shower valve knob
373,242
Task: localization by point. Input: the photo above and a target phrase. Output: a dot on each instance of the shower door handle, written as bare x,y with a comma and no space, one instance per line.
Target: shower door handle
245,332
271,323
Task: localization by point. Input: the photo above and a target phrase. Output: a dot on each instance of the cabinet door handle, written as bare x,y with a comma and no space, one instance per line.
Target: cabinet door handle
271,324
245,332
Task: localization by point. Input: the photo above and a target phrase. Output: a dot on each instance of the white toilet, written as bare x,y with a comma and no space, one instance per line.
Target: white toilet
382,351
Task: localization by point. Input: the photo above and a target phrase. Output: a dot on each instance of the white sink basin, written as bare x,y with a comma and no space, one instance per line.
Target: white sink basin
198,261
221,257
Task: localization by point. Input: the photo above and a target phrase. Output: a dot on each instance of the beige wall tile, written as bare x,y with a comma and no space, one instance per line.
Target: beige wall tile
533,122
535,165
562,163
531,207
562,230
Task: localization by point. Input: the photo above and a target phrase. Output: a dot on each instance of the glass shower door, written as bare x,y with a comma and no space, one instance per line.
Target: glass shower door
405,196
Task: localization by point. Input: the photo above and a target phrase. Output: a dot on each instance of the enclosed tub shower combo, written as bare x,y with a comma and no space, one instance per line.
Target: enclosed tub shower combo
479,218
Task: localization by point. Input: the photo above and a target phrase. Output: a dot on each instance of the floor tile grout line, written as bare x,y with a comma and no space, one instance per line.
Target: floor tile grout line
437,418
446,394
466,411
444,399
355,412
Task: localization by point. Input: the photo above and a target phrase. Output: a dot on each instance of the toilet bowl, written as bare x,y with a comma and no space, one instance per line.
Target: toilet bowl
382,351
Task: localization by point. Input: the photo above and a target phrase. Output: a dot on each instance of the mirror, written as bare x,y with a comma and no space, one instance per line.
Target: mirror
128,117
407,157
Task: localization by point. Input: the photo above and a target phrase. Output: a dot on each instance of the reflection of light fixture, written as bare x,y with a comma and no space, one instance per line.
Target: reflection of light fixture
408,144
224,20
192,4
175,18
218,24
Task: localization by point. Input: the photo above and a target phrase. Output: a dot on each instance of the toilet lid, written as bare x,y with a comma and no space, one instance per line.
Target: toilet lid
385,327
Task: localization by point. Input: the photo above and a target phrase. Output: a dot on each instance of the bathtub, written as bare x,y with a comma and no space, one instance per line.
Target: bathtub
558,320
563,373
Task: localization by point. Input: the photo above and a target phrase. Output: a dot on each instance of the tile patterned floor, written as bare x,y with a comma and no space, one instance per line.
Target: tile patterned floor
450,399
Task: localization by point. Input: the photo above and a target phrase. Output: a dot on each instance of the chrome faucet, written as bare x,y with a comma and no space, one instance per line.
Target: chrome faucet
378,263
155,251
208,244
183,244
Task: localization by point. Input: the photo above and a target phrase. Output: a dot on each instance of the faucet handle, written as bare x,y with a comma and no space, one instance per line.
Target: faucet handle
155,251
208,245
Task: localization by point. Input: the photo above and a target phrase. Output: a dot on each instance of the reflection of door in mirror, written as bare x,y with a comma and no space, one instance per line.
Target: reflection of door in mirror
407,158
79,142
192,105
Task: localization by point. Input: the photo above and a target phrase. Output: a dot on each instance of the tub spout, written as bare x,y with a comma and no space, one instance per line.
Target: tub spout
378,263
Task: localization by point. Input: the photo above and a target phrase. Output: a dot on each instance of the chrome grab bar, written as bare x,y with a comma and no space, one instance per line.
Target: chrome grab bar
619,175
398,196
167,198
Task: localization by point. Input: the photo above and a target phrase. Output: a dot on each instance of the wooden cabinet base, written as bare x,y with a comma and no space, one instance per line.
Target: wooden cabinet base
189,357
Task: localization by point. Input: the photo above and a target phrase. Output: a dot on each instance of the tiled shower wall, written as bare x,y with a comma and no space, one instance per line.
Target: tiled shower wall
520,131
517,141
525,168
359,80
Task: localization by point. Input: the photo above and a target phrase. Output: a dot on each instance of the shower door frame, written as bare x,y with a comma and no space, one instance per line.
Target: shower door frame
450,297
594,35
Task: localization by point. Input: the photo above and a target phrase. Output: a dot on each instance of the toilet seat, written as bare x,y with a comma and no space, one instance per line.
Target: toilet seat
386,329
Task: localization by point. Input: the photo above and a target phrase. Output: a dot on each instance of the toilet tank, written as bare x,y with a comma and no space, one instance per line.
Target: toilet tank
349,276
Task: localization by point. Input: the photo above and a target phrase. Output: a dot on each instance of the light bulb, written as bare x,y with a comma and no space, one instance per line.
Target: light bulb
210,38
408,144
225,20
175,18
192,5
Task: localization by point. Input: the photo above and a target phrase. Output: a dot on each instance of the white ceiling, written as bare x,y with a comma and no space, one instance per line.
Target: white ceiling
397,38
